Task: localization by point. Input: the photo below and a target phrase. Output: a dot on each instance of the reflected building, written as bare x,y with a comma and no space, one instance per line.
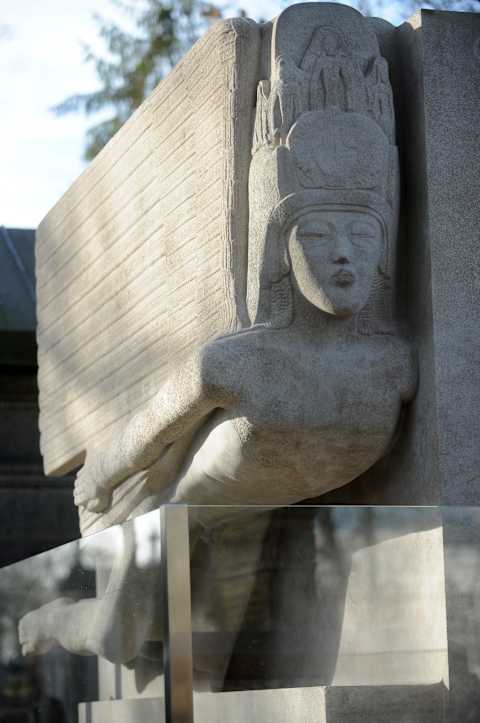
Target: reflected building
28,499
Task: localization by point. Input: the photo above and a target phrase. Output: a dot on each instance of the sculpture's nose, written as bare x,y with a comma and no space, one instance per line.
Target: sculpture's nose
341,254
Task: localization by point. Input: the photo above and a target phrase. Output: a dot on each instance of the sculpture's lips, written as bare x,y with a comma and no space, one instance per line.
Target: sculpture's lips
344,277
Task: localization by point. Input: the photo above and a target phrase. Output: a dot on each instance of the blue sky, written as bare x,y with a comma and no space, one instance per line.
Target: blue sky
42,63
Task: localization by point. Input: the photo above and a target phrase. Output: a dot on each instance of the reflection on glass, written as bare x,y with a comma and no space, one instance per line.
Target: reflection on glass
353,612
81,610
321,596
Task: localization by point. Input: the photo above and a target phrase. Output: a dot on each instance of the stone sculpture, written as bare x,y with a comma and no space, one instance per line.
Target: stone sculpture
311,394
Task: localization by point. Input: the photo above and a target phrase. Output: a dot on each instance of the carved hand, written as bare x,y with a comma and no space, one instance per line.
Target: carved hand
90,489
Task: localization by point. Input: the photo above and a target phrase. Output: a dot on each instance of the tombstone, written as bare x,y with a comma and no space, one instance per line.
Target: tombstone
255,297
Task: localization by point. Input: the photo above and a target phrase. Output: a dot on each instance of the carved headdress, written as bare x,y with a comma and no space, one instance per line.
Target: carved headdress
324,139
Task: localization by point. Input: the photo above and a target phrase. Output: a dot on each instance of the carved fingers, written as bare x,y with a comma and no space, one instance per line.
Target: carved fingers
33,635
88,493
89,489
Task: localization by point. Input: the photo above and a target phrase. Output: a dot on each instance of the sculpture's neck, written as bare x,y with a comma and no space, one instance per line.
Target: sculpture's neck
308,319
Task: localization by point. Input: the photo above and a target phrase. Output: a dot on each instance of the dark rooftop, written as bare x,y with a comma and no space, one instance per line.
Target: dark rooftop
17,296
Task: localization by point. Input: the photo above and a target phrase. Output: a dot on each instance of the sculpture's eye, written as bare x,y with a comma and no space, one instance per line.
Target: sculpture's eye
319,232
362,231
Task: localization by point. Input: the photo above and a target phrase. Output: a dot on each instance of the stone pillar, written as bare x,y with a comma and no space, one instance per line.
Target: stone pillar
443,50
446,49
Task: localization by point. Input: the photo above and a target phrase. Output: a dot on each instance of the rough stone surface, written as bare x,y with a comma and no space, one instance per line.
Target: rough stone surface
450,49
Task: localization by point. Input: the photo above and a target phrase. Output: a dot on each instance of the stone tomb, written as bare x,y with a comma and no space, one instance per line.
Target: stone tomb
269,260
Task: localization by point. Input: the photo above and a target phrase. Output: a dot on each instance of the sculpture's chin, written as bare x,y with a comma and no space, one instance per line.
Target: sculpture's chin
342,311
337,310
340,304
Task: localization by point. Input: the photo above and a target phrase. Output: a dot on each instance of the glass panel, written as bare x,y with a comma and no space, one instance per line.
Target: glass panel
336,610
461,529
299,614
90,626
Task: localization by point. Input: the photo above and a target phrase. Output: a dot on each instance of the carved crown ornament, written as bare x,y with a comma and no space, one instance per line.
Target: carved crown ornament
323,138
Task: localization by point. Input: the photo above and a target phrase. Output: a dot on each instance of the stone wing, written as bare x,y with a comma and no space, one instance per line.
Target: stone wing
145,257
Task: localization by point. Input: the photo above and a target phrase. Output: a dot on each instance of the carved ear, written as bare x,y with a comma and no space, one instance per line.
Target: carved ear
280,261
385,262
281,296
275,298
281,303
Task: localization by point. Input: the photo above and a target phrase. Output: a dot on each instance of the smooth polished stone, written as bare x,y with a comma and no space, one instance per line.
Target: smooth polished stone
397,704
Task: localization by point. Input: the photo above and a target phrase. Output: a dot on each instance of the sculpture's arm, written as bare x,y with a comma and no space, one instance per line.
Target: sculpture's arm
196,389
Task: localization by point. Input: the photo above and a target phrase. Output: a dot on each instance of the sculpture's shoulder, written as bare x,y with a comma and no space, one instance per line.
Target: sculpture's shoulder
251,347
240,361
230,361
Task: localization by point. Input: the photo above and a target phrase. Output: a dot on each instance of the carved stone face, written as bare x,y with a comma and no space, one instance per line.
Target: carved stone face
334,256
